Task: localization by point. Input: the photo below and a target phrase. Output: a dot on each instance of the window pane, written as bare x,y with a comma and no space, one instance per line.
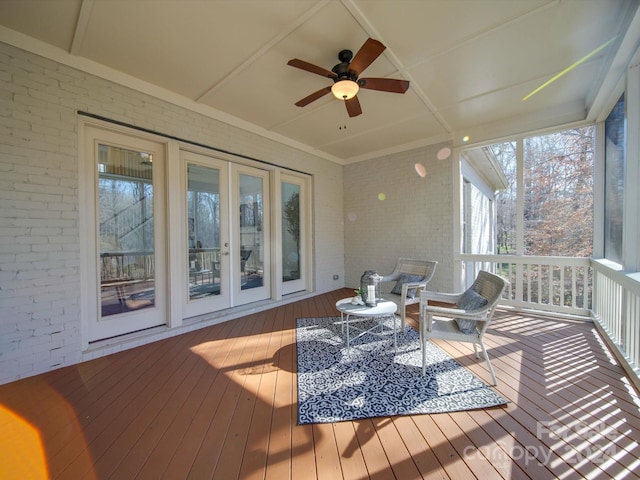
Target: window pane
477,221
615,130
290,232
125,204
558,193
506,200
203,213
251,234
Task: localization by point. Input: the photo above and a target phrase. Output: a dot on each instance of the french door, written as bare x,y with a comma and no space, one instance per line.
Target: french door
204,259
169,234
126,275
225,259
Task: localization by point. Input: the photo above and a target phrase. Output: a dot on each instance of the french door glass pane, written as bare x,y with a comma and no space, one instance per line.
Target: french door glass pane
126,230
251,232
290,232
203,213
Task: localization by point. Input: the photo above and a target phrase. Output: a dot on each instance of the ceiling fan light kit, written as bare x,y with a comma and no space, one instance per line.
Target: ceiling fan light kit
345,77
345,89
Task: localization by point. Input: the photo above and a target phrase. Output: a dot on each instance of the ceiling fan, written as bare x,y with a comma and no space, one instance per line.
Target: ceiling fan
345,77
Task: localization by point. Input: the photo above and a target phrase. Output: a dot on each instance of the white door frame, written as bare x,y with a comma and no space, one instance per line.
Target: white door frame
94,326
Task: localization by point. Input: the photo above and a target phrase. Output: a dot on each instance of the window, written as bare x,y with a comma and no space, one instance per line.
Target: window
506,200
556,194
614,157
125,228
290,232
544,209
203,216
294,240
477,220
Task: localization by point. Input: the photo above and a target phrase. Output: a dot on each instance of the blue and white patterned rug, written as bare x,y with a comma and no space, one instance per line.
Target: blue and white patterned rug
336,383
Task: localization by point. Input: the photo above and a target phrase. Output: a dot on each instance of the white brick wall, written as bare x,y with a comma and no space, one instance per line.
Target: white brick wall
413,220
40,314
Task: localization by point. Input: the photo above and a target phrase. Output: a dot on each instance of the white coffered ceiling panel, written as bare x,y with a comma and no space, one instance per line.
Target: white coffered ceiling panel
470,62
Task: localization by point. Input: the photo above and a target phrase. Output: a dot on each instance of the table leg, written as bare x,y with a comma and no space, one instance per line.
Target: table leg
347,321
395,335
392,316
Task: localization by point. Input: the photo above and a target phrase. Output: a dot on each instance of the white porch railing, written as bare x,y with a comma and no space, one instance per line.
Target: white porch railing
616,309
562,285
573,286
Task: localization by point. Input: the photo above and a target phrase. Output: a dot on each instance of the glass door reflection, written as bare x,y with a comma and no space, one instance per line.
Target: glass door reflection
251,239
126,230
203,232
290,232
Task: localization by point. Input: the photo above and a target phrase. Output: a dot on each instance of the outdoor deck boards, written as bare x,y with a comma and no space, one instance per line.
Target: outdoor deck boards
220,402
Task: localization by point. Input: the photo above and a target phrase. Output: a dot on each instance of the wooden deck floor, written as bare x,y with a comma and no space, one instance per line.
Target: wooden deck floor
220,403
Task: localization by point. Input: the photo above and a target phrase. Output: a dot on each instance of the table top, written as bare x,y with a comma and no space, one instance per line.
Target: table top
384,307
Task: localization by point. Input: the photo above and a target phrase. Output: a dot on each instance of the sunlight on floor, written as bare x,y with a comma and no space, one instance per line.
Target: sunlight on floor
633,393
565,361
21,451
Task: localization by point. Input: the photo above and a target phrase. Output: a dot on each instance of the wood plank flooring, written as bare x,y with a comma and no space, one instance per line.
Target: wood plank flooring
220,403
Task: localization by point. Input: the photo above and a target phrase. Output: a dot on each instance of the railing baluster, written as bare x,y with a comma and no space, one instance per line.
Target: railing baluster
634,337
561,287
574,290
540,282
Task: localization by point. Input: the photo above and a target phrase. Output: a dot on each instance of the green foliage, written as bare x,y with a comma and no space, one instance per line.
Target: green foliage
292,215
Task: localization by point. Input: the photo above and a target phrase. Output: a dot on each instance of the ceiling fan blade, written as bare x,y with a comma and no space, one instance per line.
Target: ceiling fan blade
353,106
309,67
366,55
313,97
384,84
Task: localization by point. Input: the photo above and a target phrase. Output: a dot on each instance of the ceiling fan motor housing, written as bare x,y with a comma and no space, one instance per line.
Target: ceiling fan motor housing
342,69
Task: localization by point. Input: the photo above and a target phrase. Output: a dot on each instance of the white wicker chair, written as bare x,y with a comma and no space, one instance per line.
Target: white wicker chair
486,285
419,272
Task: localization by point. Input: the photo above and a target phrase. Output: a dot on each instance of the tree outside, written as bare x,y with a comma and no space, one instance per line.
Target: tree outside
557,197
557,194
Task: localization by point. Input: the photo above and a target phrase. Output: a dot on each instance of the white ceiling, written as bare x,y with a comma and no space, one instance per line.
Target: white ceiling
470,62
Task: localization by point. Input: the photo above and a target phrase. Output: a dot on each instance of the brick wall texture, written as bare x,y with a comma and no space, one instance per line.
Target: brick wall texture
399,206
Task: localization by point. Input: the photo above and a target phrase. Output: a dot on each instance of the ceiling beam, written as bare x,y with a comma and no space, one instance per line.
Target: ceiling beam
395,61
81,26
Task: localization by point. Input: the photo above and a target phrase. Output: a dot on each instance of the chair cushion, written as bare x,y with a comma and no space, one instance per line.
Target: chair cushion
406,278
470,300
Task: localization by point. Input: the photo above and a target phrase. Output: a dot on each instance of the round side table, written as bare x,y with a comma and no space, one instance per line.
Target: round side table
350,314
